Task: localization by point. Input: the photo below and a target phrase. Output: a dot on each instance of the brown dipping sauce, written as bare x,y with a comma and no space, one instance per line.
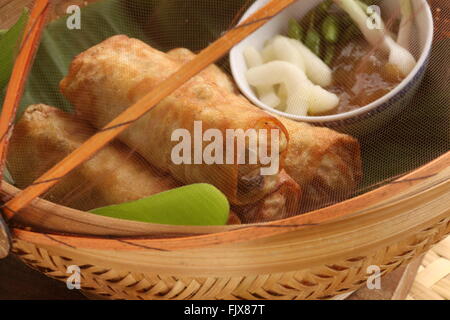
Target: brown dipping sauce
361,76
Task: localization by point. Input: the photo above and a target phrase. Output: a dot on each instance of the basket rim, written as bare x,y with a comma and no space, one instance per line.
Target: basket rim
246,232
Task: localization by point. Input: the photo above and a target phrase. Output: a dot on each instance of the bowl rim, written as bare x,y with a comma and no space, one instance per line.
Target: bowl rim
422,62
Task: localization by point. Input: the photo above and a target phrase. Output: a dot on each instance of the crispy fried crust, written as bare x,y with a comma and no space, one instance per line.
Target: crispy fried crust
282,203
106,79
325,163
45,135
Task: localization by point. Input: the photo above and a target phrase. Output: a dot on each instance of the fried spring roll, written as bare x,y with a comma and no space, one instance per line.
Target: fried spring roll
108,78
285,198
45,135
282,203
325,163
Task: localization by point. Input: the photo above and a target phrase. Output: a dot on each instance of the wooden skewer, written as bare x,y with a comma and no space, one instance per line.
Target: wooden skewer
22,65
208,56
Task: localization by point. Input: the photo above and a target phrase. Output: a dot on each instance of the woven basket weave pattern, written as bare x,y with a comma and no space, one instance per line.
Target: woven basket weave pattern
433,279
326,281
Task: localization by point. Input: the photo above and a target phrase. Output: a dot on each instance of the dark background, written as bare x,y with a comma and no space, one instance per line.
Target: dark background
17,281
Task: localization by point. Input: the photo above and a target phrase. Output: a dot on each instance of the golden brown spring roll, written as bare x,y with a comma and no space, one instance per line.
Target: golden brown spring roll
325,163
285,198
106,79
282,203
45,135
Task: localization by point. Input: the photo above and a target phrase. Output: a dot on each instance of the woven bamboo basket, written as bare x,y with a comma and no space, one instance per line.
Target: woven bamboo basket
315,256
318,255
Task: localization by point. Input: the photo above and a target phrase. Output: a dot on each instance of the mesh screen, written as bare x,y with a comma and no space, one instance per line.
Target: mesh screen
319,166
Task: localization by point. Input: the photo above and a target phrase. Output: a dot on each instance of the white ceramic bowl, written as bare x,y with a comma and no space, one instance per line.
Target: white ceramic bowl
357,122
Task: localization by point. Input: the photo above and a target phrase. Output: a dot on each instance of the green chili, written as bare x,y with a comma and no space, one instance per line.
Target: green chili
295,30
313,41
330,29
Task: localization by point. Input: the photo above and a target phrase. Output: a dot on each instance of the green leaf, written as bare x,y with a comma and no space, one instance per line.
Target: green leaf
193,205
9,42
59,45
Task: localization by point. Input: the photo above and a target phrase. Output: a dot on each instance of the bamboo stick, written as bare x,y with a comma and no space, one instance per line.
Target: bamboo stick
22,66
208,56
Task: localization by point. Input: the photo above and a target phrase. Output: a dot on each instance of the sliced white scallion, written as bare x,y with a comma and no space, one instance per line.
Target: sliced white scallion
303,95
316,70
265,93
284,50
406,23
